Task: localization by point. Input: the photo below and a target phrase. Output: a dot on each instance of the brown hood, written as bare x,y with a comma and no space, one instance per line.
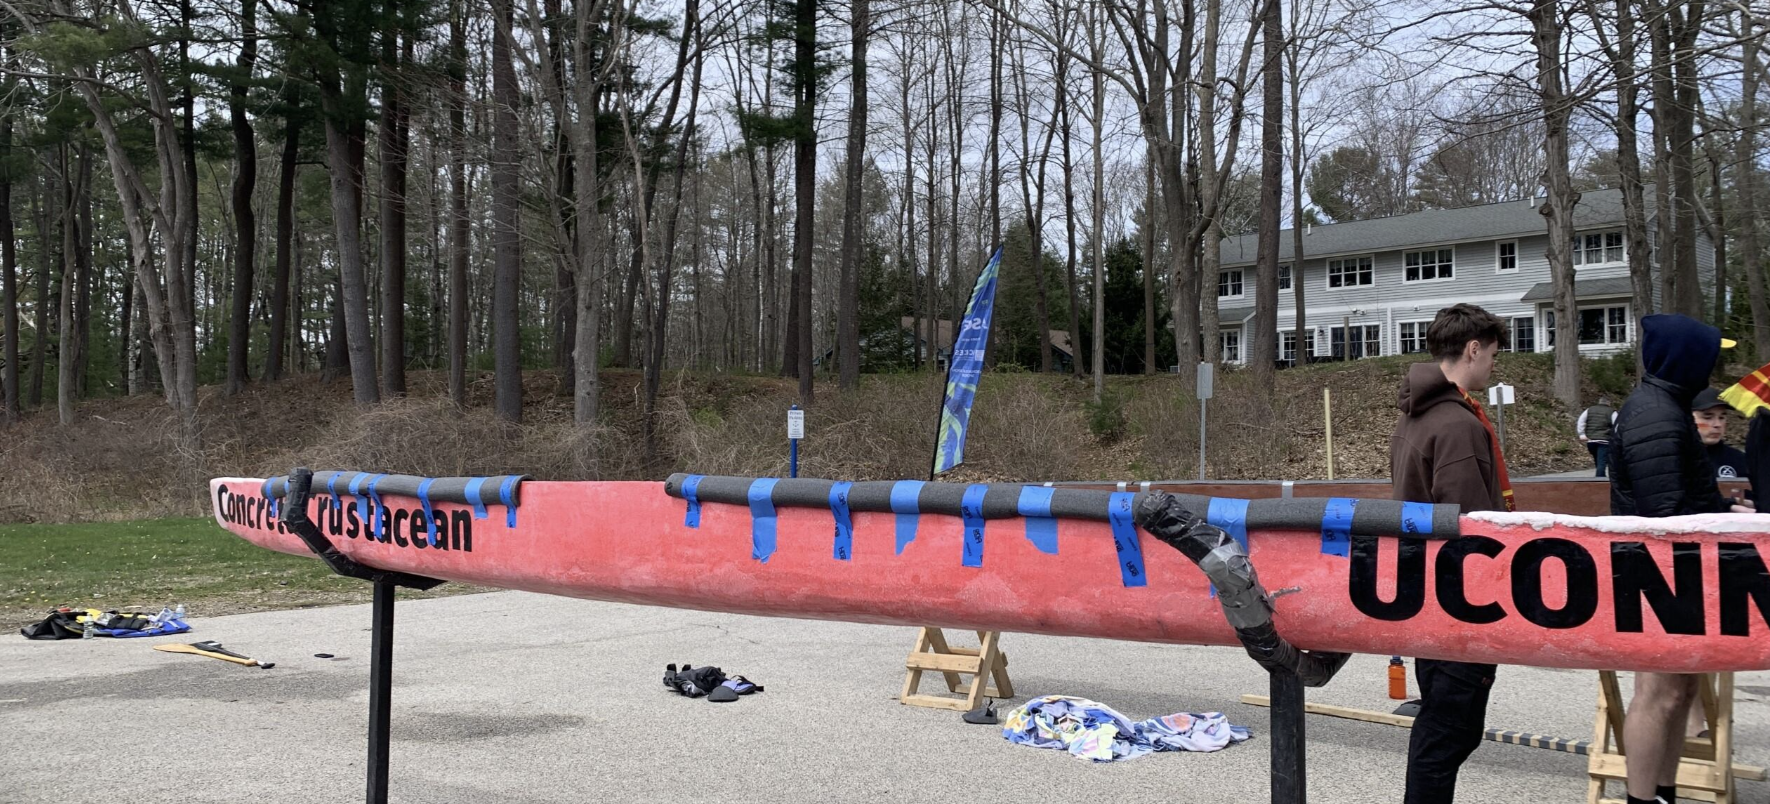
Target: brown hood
1425,386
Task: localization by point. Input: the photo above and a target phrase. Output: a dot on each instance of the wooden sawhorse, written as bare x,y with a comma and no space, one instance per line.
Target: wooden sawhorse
1706,772
932,653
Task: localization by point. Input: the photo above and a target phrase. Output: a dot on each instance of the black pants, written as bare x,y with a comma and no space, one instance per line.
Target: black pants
1451,723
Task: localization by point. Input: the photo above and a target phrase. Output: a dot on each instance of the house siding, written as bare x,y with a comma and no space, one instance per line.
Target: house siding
1390,300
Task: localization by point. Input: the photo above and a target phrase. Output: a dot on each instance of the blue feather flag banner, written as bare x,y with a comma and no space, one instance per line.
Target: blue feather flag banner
965,368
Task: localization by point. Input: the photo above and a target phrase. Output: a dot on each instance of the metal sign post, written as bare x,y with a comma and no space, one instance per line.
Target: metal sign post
1498,397
1205,372
795,434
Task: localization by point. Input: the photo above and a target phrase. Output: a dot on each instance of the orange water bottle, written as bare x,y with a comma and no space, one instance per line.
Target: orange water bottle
1397,679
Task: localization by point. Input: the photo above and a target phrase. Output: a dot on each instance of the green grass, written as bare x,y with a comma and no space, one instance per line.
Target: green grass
152,563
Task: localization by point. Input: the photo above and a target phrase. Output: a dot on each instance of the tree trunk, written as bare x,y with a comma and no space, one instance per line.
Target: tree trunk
1265,341
1628,162
1150,213
67,349
342,97
1300,326
587,339
337,337
506,222
1069,212
394,144
40,320
239,339
660,330
279,292
459,231
84,268
804,180
1546,35
9,408
854,216
1745,153
1682,145
1099,235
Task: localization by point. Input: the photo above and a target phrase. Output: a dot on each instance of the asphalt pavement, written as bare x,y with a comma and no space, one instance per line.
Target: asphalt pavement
517,697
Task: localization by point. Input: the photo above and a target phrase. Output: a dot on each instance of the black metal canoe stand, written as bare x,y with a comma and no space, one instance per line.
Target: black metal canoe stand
294,516
1289,780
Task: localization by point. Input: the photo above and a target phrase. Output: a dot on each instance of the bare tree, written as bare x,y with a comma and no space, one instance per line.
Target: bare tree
506,176
394,139
342,100
9,410
1545,17
1745,166
1265,346
293,120
1620,49
460,232
854,212
245,178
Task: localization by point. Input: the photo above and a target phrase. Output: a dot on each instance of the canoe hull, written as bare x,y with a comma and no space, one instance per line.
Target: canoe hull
1542,592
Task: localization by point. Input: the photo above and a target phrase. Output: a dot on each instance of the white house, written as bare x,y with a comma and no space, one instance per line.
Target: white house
1384,279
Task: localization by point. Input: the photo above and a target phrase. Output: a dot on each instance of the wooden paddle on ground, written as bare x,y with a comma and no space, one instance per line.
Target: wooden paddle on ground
214,650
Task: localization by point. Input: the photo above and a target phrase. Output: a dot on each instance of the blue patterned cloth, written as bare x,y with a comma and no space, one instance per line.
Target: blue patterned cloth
1095,731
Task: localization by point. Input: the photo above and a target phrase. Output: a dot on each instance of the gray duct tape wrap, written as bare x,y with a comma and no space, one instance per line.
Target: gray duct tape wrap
442,489
1372,517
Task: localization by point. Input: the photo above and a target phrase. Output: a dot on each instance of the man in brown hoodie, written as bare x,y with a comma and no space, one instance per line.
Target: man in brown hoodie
1443,451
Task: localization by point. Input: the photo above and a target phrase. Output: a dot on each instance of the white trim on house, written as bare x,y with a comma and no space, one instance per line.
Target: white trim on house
1439,268
1420,326
1499,257
1327,255
1604,247
1327,273
1241,282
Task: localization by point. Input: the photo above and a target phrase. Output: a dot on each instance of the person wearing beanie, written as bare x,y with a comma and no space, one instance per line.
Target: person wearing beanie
1659,468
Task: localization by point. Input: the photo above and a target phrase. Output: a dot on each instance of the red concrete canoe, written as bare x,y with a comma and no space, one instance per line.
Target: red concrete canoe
1685,594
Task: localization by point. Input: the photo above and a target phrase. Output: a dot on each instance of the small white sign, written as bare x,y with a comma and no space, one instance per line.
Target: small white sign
1501,394
795,424
1205,376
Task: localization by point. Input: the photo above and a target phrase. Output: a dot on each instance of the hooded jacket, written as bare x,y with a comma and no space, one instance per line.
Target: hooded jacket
1658,466
1441,452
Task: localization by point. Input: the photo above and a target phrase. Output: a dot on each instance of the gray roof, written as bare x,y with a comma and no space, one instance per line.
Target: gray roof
1432,226
1582,289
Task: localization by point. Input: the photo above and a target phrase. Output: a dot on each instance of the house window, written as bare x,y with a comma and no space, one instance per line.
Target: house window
1524,334
1508,256
1284,276
1597,248
1423,266
1367,341
1231,343
1287,346
1349,272
1228,284
1603,325
1549,327
1413,336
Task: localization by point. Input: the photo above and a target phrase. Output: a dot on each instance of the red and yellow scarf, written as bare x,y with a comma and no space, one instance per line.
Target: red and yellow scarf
1499,458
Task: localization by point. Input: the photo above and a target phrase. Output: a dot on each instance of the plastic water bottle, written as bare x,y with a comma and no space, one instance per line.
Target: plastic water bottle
178,613
90,631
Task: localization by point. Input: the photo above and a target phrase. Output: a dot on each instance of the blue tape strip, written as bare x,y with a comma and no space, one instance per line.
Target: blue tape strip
1041,527
378,511
362,500
332,486
689,487
270,502
424,500
504,497
843,549
762,519
906,504
1232,516
1336,526
1416,518
476,496
971,510
1126,539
